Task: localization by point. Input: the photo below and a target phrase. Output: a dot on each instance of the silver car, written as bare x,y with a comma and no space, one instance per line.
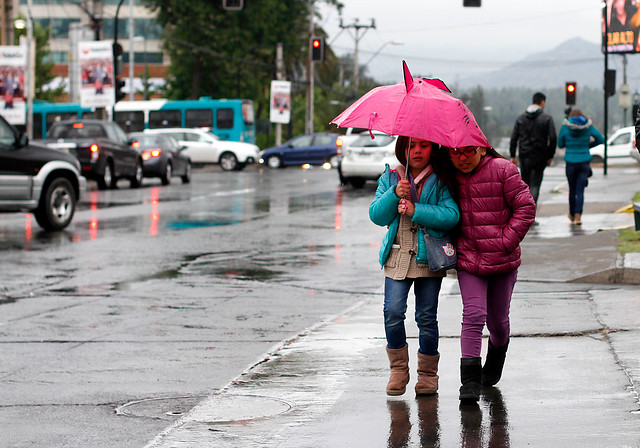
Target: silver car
204,147
366,158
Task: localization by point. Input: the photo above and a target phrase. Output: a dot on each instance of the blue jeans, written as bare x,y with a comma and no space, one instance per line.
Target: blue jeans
577,175
396,292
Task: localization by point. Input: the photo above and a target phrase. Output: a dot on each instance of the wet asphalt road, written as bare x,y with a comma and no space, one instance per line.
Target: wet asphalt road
167,292
156,298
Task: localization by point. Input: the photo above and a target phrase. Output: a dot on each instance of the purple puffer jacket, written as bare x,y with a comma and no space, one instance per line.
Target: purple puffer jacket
496,211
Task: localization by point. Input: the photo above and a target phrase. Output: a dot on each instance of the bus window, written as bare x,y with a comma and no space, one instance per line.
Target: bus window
130,121
224,118
37,126
60,116
164,119
90,115
198,118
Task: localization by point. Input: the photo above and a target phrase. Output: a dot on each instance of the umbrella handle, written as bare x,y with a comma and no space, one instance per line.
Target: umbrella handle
406,172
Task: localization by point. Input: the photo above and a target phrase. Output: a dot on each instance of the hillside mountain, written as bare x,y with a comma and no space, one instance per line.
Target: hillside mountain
574,60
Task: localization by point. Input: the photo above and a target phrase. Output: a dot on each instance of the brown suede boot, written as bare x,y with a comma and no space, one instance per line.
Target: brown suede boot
399,363
427,374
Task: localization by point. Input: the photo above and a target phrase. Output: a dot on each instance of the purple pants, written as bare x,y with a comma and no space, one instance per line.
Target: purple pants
485,299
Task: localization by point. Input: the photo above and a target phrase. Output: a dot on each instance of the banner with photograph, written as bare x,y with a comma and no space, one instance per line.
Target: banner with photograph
96,68
280,110
621,26
13,66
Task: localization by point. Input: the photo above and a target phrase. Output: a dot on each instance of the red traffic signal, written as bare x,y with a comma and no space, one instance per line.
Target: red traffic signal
316,45
570,91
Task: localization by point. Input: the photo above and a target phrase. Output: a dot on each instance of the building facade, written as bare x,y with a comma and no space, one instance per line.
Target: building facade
69,21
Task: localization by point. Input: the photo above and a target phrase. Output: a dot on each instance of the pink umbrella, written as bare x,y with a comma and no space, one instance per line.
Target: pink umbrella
422,108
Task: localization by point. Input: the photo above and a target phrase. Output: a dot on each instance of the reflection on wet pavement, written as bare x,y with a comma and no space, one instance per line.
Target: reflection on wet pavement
482,424
559,226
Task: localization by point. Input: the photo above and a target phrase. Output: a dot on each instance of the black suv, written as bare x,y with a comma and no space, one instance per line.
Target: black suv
40,180
102,148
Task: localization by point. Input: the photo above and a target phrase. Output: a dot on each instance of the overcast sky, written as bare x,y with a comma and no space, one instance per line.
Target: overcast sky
443,39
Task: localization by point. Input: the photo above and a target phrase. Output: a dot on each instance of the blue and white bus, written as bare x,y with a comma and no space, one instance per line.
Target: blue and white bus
45,113
229,119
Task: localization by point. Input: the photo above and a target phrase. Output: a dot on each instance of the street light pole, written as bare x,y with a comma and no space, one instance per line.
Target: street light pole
391,42
31,72
131,51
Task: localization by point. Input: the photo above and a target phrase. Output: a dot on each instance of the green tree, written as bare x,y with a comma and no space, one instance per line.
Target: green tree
227,54
43,70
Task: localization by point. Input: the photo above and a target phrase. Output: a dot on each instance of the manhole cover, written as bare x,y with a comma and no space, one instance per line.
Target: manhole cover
237,408
167,408
214,409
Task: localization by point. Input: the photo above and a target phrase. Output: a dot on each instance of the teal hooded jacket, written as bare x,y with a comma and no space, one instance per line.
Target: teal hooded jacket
436,210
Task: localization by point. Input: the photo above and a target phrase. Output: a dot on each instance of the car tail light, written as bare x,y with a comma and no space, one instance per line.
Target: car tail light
150,153
94,150
339,144
136,144
78,125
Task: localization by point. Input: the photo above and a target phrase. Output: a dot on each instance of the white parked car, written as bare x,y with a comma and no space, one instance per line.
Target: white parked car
204,147
619,146
365,158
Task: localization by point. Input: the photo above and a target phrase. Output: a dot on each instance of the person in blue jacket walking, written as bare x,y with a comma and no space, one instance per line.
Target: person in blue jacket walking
578,135
406,203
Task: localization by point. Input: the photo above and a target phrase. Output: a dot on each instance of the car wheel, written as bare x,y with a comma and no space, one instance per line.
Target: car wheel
107,180
166,176
597,159
357,182
274,162
136,180
187,175
57,205
228,161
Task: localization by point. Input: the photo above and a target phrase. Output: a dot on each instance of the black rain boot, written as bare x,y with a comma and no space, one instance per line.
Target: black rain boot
470,376
492,370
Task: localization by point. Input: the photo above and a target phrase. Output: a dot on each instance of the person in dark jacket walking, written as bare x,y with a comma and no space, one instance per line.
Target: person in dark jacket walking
578,134
496,211
534,135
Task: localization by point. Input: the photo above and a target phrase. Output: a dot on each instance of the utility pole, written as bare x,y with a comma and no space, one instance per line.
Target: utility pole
357,27
310,75
279,77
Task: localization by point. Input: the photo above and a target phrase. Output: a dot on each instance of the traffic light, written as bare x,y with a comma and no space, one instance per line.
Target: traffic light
232,4
473,3
117,58
118,85
317,49
570,93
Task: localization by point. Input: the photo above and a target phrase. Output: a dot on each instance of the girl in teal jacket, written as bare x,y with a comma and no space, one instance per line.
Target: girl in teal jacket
578,135
406,209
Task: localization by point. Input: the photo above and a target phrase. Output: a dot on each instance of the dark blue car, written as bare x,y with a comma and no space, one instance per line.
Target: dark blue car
312,149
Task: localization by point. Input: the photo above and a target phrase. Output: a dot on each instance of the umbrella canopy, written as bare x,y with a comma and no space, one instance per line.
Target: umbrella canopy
421,108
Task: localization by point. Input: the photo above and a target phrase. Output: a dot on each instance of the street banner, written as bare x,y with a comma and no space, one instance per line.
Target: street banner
13,66
280,111
96,68
621,26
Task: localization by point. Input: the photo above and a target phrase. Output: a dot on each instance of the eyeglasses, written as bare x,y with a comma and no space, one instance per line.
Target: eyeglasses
455,153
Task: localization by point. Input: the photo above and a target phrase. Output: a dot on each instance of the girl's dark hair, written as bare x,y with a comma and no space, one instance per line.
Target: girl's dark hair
442,166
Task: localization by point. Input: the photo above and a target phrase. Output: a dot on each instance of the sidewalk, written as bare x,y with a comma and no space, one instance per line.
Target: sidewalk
571,375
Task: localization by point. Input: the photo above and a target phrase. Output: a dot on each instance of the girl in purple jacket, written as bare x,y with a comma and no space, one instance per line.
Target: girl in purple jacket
496,211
